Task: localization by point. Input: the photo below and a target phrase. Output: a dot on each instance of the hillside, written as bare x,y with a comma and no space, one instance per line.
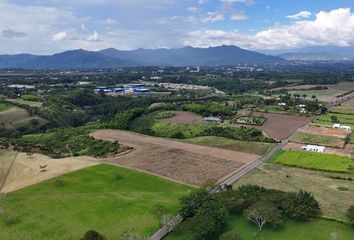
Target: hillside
113,58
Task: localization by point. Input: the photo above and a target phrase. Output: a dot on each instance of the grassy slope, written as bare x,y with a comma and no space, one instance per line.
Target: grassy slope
342,109
29,103
67,206
346,119
235,145
6,159
17,117
4,106
316,161
318,140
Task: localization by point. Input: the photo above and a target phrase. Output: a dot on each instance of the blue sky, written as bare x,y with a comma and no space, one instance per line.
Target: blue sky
49,26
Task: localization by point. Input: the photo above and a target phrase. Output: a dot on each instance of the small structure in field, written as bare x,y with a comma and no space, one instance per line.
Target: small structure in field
282,104
212,119
343,127
313,148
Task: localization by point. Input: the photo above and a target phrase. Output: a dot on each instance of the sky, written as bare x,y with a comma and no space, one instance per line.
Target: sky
51,26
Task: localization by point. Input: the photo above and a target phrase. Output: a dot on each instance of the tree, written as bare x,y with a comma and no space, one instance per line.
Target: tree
230,236
191,203
251,194
302,206
264,212
350,213
334,119
92,235
304,96
314,97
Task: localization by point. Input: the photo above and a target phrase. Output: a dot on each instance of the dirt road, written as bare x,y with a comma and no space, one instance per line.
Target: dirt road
178,161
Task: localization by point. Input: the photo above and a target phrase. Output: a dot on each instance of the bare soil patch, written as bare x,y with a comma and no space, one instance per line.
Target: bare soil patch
349,103
25,169
324,131
280,126
182,162
184,117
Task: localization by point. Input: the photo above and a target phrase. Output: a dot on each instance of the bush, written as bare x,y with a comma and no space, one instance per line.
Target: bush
350,213
92,235
230,236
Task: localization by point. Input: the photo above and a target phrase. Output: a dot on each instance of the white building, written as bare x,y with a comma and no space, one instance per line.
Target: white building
339,126
282,104
314,148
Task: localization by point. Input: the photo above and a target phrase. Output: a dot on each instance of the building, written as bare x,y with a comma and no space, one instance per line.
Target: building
134,85
21,86
118,90
314,148
101,89
212,119
141,90
282,104
343,127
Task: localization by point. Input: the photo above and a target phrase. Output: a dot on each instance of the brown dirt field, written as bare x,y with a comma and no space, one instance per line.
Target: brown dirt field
25,169
177,161
280,126
324,131
336,151
184,117
349,102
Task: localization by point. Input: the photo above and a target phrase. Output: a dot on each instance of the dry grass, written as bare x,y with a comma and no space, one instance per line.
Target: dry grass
16,117
333,202
25,169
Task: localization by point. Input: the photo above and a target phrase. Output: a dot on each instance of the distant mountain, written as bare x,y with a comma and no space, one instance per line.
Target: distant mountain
113,58
75,59
318,53
189,56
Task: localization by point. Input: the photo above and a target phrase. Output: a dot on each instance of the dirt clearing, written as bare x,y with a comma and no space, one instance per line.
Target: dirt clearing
25,169
329,150
280,126
184,117
324,131
178,161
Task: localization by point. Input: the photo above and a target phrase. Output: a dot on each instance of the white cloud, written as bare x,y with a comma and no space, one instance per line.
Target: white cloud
237,16
335,27
212,17
93,37
302,14
60,36
109,21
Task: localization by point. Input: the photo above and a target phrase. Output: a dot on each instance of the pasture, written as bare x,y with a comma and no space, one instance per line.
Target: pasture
108,199
315,161
17,117
345,109
334,203
25,102
328,141
184,117
326,119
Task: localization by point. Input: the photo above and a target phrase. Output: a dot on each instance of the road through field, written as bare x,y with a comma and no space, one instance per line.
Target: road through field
182,162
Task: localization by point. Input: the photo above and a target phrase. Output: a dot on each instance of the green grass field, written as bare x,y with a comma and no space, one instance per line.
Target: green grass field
342,110
327,141
334,203
315,161
106,198
258,148
346,119
5,106
292,230
28,103
315,230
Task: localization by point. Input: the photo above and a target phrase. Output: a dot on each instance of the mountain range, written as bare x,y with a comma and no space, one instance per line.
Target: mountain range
113,58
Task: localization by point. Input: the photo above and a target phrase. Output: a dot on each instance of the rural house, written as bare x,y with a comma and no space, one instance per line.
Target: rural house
314,148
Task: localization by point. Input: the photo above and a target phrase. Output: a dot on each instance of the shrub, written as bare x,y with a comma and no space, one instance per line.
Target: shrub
350,213
302,206
92,235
